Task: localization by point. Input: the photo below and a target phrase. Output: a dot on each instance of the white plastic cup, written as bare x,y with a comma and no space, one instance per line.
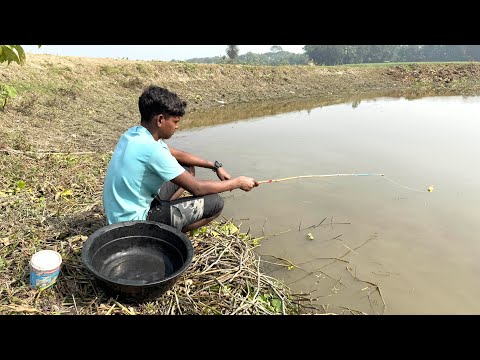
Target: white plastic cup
44,269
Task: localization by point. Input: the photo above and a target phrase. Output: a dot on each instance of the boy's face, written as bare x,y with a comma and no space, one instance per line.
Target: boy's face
168,126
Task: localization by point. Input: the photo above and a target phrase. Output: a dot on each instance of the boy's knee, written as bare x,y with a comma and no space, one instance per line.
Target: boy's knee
189,168
217,204
221,203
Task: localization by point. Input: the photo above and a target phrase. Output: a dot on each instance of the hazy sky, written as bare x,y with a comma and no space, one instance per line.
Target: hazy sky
151,52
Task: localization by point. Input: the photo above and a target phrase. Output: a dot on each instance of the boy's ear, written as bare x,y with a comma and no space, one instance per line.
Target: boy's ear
159,119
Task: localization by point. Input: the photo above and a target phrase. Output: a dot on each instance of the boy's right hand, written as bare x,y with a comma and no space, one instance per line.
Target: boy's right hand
247,183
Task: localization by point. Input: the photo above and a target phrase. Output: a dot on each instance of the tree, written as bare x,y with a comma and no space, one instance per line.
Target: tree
325,54
276,48
10,53
232,51
473,52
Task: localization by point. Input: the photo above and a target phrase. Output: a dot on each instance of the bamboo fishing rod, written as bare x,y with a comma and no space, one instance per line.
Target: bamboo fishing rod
312,176
430,188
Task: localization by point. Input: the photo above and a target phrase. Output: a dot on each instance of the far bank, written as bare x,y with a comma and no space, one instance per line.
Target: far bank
73,103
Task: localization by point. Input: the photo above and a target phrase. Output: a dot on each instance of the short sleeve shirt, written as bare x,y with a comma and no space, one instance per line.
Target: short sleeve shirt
138,168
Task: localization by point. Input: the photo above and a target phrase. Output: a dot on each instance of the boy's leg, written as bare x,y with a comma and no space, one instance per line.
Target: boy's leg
170,191
188,213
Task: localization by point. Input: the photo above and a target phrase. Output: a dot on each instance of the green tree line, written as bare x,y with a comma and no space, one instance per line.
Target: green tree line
275,58
360,54
351,54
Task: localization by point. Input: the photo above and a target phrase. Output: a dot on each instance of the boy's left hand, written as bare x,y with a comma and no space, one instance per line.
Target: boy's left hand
223,174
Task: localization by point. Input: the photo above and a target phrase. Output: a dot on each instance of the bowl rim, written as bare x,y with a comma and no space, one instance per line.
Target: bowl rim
88,243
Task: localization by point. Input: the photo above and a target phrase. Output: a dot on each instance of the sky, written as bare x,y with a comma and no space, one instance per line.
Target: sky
151,52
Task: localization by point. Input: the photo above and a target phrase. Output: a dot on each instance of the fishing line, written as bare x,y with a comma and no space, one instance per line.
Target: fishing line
430,188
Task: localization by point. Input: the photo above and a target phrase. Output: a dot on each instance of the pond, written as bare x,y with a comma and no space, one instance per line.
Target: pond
352,235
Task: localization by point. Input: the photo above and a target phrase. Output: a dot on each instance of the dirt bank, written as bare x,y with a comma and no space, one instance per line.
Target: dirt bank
84,103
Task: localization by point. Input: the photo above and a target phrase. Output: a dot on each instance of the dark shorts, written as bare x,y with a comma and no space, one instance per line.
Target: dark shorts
183,211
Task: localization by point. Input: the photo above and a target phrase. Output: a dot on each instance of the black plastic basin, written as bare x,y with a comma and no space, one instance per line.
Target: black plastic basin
137,260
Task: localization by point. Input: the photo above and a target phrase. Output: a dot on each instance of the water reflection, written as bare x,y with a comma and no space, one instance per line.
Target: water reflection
229,113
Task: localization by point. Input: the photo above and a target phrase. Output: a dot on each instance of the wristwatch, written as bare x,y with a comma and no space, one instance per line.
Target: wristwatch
216,165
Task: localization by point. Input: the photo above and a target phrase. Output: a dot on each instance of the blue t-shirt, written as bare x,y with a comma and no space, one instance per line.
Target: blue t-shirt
138,168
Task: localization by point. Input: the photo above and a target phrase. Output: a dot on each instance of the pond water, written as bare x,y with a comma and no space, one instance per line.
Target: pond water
352,235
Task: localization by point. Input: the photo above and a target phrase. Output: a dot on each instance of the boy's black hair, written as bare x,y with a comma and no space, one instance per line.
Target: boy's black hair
157,100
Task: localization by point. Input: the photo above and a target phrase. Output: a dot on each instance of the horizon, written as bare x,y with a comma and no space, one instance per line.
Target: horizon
151,52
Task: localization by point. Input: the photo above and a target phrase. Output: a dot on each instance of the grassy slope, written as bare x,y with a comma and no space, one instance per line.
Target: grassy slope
78,104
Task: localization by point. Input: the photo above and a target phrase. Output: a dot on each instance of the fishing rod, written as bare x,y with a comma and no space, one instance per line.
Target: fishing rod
429,189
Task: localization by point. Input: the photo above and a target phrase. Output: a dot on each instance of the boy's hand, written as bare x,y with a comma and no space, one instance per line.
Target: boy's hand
247,183
223,174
